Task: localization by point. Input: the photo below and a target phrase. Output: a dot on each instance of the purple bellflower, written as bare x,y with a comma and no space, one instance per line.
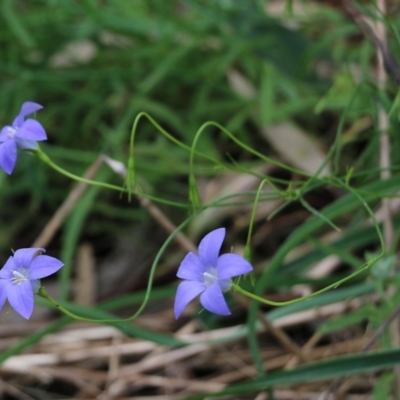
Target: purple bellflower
21,134
208,274
19,278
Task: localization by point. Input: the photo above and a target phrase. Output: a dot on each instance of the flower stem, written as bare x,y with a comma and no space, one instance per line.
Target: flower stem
46,159
238,289
43,293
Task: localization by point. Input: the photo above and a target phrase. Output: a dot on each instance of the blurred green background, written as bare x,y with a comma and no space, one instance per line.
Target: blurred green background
291,79
94,65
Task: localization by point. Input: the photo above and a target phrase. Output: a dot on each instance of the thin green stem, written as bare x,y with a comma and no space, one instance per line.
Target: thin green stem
43,293
238,289
46,159
247,251
251,150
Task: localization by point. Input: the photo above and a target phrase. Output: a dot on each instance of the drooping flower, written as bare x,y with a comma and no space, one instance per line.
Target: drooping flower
21,134
19,278
209,275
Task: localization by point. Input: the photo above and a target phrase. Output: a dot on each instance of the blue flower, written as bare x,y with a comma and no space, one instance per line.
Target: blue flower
21,134
19,278
209,275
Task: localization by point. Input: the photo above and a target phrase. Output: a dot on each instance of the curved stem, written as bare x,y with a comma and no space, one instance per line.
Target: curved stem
42,293
46,159
238,289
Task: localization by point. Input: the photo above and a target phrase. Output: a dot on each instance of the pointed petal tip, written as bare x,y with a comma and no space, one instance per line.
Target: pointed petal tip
185,293
212,299
8,156
231,265
21,298
43,266
177,313
25,315
210,246
29,107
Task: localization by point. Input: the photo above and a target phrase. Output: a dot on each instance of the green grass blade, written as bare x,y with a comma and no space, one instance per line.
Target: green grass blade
327,369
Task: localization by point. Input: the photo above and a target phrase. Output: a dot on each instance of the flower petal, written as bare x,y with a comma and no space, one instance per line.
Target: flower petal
8,156
4,133
26,144
42,266
23,257
210,246
3,292
29,107
31,130
230,265
191,268
21,298
213,300
35,283
9,266
186,292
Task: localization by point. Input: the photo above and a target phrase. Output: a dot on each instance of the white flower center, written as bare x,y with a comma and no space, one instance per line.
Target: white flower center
11,131
20,275
211,276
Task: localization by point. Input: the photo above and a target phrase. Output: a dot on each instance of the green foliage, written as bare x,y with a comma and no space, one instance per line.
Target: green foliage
327,369
383,386
182,92
365,313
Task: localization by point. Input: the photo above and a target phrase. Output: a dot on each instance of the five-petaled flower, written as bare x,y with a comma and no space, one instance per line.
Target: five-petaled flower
19,278
21,134
208,274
